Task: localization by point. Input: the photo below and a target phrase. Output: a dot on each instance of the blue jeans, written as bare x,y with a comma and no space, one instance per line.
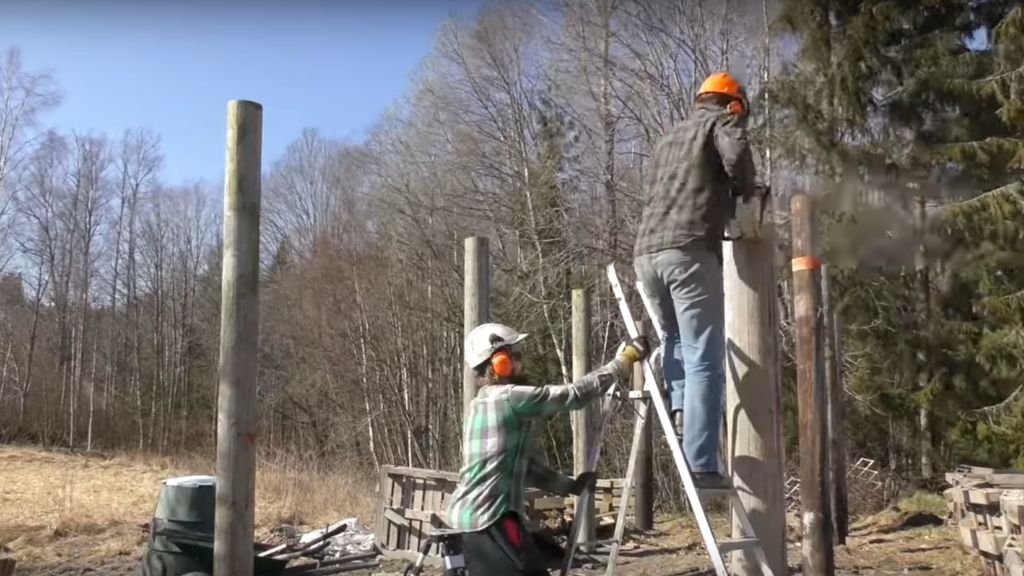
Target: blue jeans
684,287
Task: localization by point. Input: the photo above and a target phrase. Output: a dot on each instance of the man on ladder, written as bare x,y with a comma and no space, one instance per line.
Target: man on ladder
699,170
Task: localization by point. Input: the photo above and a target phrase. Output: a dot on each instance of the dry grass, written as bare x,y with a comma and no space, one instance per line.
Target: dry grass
302,492
58,508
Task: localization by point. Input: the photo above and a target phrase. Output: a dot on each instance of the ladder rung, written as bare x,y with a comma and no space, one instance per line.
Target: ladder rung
726,546
716,491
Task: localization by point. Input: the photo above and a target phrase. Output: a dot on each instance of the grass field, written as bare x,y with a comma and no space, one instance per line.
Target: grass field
70,514
71,509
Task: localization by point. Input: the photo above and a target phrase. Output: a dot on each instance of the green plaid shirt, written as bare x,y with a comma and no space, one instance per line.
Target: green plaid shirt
497,456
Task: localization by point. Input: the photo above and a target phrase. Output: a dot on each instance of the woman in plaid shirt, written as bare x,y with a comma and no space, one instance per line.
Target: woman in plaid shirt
498,462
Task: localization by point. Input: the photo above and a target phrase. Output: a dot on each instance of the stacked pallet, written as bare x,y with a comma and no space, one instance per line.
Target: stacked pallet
987,506
607,497
412,503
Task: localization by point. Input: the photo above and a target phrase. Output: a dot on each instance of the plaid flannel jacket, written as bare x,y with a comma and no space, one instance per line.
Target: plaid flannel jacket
697,171
496,450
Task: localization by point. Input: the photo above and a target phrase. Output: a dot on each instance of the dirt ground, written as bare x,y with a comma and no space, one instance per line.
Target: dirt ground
72,515
876,546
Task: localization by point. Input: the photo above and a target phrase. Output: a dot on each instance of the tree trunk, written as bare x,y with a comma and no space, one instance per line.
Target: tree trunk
608,128
92,397
33,334
923,296
3,373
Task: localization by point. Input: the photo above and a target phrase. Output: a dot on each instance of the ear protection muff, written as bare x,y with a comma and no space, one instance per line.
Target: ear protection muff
737,108
502,364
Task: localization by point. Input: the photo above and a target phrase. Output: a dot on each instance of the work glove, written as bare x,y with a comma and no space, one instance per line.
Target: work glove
636,349
586,480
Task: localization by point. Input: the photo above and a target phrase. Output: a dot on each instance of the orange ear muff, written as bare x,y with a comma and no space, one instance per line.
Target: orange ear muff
737,108
501,363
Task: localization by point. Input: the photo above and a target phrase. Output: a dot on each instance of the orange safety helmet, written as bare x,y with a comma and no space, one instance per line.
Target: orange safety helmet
723,83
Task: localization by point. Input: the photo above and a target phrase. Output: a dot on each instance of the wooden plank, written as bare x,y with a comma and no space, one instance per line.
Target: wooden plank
416,486
1012,559
408,484
984,496
1006,479
433,559
396,516
983,540
381,531
433,504
959,495
549,503
1013,511
6,566
395,536
422,473
444,492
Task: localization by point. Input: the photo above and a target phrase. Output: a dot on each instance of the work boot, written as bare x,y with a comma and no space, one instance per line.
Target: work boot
711,480
677,423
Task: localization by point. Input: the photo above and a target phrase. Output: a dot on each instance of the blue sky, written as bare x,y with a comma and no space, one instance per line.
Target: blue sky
172,66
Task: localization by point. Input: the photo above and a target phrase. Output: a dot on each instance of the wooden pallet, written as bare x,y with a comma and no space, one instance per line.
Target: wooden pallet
987,506
411,501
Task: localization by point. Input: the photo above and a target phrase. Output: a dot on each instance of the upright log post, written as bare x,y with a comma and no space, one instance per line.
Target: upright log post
643,478
836,415
583,421
239,343
817,553
476,304
754,396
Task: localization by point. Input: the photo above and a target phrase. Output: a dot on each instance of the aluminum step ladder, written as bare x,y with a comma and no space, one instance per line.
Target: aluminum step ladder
613,399
652,394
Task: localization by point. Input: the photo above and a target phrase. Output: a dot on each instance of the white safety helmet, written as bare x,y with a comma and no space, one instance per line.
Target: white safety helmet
485,339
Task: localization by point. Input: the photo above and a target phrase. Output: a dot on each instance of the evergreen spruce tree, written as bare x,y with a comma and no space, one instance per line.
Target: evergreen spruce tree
918,101
987,235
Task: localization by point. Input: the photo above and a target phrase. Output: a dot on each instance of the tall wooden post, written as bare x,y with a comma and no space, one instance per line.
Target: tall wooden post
583,421
817,554
239,343
754,395
836,414
643,478
476,302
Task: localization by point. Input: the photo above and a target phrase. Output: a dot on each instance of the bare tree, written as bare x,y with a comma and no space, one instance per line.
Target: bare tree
89,180
310,194
24,96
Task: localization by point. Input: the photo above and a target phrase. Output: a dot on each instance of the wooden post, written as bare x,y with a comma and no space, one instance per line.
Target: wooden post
836,415
239,343
643,478
583,421
754,396
817,554
476,302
